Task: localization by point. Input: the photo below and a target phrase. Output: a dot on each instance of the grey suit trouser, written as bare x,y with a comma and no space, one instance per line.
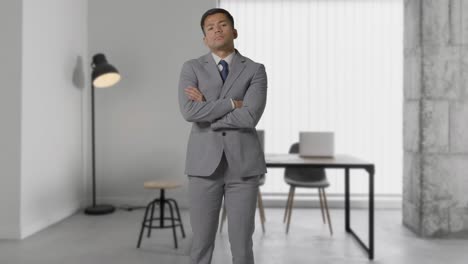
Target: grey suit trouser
206,195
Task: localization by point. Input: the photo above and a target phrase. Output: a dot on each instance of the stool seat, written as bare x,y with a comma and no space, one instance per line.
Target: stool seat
161,184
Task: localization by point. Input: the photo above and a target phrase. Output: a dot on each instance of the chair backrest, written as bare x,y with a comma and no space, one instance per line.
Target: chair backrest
303,173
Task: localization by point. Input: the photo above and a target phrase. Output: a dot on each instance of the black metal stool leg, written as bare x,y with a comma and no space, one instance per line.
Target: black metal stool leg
178,215
162,201
173,222
143,225
151,218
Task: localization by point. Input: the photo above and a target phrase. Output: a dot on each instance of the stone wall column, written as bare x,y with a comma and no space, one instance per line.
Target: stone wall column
435,186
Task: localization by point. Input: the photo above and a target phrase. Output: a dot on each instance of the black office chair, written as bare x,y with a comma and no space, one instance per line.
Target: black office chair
306,178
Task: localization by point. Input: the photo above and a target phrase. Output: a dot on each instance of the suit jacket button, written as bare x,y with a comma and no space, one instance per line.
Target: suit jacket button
224,133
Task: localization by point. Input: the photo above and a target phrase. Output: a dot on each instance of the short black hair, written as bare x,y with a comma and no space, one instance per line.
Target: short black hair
212,12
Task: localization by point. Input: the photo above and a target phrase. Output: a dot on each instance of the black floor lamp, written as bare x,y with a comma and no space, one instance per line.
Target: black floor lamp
104,75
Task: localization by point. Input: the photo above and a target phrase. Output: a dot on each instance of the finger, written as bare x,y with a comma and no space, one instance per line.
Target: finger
189,91
193,88
190,88
195,93
194,98
201,98
198,93
191,95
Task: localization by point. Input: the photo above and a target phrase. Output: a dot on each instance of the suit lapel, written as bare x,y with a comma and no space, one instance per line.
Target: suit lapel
237,66
213,70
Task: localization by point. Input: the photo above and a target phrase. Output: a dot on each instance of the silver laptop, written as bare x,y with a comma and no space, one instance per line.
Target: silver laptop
316,144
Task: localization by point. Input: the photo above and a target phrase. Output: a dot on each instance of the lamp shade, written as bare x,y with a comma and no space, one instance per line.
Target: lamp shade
104,74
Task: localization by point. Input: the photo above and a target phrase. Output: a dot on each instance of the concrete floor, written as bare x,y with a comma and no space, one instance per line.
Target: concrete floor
112,239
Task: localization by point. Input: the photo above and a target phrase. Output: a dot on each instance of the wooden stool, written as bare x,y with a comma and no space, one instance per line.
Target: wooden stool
162,200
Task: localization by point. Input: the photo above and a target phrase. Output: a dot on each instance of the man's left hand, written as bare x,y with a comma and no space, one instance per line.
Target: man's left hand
194,94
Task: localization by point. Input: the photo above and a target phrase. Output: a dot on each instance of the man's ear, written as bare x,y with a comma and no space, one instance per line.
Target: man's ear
204,41
235,33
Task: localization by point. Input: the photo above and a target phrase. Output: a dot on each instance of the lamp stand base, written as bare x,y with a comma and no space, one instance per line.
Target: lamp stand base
99,209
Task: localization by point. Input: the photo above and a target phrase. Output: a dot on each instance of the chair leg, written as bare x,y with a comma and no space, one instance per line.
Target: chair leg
261,204
287,205
261,210
223,218
290,208
321,205
173,222
143,225
328,213
178,216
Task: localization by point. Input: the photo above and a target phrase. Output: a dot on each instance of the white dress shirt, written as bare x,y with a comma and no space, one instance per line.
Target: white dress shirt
228,60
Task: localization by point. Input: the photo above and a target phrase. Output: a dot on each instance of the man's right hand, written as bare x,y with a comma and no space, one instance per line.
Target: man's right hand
238,104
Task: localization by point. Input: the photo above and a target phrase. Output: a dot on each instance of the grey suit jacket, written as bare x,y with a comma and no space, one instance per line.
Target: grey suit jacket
216,126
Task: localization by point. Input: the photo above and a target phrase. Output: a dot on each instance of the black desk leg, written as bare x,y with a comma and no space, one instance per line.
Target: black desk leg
347,216
370,249
370,170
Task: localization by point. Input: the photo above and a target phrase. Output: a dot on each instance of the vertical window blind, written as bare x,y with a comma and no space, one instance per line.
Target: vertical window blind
332,65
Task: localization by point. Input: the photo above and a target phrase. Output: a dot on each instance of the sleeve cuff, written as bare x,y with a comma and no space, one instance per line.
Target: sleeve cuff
232,103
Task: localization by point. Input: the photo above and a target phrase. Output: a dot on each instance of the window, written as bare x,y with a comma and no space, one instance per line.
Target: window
332,65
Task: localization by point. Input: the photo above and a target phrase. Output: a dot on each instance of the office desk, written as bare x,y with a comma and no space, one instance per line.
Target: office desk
345,162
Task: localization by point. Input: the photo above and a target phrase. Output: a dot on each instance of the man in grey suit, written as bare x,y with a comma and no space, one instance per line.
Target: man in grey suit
223,94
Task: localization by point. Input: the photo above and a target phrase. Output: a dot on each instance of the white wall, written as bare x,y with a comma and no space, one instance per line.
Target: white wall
140,132
53,63
10,113
45,157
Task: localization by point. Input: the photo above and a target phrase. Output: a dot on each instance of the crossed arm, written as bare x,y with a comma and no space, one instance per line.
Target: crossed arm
220,113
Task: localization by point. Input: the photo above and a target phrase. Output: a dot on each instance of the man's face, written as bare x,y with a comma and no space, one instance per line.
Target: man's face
219,33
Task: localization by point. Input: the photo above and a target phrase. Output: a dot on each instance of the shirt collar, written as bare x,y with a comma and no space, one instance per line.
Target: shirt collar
228,59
